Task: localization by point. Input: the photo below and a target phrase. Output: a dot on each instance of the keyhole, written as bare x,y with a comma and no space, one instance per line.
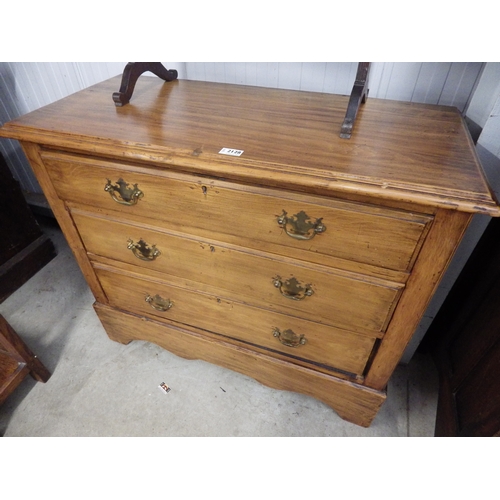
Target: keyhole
204,189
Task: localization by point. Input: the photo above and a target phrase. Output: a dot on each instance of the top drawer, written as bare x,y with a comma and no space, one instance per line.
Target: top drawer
264,218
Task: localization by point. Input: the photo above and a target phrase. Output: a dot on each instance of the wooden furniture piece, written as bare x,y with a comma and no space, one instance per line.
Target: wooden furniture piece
16,361
466,338
24,248
233,224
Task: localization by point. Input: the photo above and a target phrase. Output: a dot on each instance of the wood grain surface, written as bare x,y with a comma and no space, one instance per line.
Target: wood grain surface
399,150
396,200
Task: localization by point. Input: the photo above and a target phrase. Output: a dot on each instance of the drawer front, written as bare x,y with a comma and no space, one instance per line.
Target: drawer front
288,222
312,292
296,338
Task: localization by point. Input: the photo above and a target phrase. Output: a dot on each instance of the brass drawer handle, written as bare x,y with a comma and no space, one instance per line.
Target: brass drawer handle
289,337
292,289
142,251
159,303
122,193
300,226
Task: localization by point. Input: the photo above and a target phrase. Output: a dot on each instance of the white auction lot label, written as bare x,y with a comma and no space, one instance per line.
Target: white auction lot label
230,152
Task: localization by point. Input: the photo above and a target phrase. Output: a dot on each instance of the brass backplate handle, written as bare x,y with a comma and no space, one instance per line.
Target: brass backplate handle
159,303
122,193
292,288
289,337
142,250
300,226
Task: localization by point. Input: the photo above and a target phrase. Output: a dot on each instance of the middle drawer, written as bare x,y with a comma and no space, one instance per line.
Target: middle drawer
317,293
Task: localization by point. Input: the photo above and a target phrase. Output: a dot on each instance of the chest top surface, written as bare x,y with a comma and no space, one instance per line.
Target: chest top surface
403,151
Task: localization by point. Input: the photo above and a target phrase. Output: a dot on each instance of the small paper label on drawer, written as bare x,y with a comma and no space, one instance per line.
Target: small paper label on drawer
231,152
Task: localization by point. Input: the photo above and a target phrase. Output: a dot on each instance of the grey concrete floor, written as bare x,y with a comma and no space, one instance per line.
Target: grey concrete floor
102,388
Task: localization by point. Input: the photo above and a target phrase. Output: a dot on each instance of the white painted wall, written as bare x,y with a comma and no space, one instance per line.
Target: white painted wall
486,94
433,83
490,136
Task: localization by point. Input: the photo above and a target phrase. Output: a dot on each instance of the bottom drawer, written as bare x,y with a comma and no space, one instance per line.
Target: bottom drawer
302,340
353,402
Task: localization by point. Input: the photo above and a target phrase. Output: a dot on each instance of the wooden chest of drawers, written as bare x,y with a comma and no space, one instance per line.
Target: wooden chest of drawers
305,262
